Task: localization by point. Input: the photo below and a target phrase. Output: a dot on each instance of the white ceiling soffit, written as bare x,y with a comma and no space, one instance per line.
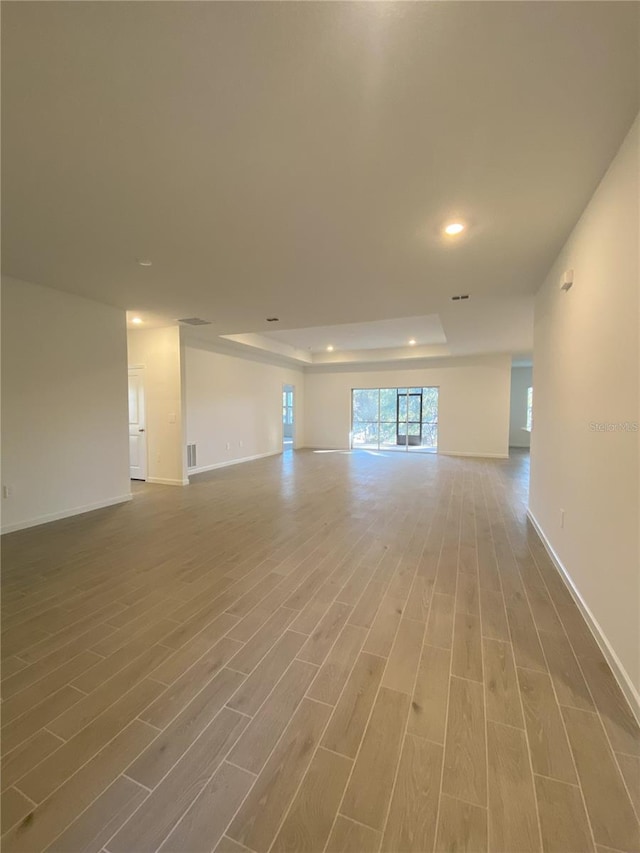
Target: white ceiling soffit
362,336
299,160
467,328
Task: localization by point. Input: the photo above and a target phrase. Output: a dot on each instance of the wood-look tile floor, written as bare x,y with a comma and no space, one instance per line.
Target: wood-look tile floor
314,652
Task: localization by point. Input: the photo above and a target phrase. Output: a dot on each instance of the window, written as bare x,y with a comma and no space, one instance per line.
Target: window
529,408
395,418
287,407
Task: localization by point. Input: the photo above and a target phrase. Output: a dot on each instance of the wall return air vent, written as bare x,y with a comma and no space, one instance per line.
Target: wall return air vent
191,456
195,321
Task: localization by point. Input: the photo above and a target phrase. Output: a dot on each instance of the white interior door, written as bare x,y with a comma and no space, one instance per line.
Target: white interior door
137,426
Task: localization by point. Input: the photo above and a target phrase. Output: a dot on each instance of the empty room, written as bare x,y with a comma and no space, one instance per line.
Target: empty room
320,427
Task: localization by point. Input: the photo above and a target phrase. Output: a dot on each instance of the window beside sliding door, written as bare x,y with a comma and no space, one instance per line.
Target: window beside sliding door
395,418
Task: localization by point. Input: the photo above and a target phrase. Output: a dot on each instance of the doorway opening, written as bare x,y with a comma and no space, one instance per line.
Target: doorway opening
395,419
288,417
137,425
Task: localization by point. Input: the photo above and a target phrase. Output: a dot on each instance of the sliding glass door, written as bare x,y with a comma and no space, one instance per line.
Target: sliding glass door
395,418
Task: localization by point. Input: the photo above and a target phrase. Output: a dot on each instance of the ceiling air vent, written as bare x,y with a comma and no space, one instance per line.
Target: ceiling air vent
195,321
458,298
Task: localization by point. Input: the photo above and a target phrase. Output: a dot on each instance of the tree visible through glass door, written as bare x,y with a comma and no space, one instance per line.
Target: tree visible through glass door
395,418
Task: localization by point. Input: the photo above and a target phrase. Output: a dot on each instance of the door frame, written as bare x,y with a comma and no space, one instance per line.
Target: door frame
289,386
405,447
139,369
406,435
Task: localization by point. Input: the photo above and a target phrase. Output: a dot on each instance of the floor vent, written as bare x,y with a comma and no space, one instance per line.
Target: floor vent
191,456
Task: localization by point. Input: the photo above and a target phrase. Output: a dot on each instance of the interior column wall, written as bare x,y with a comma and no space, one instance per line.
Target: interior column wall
585,449
157,351
65,446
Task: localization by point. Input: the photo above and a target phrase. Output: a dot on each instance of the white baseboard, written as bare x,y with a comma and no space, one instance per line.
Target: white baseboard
475,455
161,481
201,469
65,513
622,677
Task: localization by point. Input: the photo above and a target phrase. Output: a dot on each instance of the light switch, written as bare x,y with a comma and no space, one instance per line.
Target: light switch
172,417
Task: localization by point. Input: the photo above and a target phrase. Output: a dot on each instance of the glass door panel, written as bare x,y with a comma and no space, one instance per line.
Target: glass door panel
401,417
410,417
388,403
395,418
415,407
366,435
366,418
388,436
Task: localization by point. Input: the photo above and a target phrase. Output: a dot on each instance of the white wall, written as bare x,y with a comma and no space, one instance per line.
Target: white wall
521,381
64,405
586,372
473,402
237,401
158,351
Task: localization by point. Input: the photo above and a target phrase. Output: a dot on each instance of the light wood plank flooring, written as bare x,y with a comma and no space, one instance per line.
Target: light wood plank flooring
314,652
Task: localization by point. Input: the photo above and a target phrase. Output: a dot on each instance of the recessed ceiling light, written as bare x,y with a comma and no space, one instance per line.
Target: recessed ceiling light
144,262
329,348
454,228
412,343
136,320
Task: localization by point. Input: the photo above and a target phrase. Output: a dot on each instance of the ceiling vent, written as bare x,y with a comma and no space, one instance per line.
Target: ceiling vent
195,321
458,298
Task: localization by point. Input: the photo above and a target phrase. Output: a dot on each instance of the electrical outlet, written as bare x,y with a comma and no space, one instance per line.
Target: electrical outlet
561,518
241,443
228,445
6,491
